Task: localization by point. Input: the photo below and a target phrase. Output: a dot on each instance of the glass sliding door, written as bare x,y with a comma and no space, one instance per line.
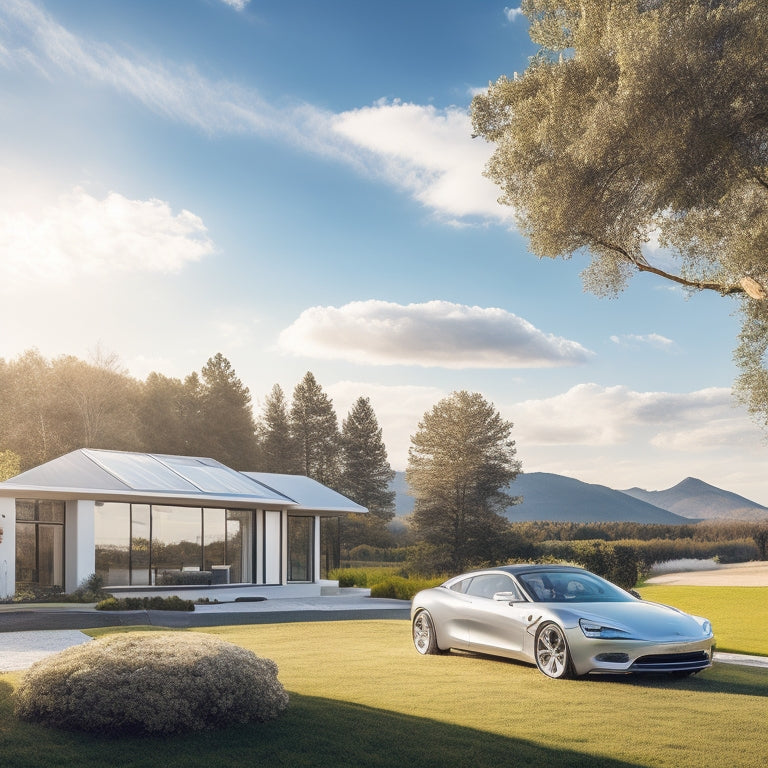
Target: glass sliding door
140,538
112,536
240,545
177,540
301,547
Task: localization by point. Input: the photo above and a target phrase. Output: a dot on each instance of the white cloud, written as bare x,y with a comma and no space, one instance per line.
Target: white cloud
81,235
513,13
238,5
432,334
594,415
427,152
652,339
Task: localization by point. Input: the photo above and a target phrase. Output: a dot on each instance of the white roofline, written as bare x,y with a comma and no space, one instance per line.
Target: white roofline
144,497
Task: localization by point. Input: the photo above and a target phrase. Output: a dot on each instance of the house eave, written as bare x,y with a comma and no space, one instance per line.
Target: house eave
146,497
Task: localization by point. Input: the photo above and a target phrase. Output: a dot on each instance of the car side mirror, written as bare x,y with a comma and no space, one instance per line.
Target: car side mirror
507,597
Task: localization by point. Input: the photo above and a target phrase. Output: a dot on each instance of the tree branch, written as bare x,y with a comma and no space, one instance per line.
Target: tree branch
756,291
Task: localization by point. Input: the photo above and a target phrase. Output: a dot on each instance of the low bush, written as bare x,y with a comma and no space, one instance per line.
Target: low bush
175,578
90,590
360,577
151,683
155,603
616,562
400,588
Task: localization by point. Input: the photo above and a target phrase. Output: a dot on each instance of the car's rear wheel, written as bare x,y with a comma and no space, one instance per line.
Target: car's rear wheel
424,638
552,655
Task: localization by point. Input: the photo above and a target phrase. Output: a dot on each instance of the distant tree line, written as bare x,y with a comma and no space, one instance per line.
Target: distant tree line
51,407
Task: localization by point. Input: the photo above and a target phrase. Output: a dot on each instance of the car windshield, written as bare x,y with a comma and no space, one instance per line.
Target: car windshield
571,586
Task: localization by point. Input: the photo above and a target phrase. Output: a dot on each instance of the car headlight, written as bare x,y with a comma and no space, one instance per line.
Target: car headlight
706,628
600,632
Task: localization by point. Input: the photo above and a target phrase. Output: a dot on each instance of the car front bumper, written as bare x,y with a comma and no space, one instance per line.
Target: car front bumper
623,657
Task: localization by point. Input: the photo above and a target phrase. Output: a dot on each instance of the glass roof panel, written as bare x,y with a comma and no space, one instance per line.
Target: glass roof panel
140,471
212,477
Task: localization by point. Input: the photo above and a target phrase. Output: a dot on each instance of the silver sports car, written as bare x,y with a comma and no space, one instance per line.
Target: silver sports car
565,620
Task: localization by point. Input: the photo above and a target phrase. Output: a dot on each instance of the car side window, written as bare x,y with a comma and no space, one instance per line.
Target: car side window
488,584
460,586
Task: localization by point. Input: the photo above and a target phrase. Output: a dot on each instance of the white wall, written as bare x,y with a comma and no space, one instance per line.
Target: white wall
8,547
316,558
274,547
79,543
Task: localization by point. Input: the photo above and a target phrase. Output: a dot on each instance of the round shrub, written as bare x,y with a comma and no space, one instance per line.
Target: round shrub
151,683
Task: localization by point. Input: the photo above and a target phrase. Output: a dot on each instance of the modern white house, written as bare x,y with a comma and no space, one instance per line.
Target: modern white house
151,522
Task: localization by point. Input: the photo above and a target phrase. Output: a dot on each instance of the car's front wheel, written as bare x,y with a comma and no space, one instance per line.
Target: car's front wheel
424,638
552,655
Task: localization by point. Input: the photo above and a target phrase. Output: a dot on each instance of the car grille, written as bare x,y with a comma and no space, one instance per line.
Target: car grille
672,662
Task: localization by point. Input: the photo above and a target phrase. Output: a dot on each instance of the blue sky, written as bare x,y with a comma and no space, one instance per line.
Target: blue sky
296,187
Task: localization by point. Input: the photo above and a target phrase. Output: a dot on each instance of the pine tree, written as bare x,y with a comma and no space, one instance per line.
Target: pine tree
277,448
315,428
227,423
460,462
366,477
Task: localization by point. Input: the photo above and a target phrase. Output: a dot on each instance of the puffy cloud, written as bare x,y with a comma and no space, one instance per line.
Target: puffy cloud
432,334
81,235
428,152
513,13
594,415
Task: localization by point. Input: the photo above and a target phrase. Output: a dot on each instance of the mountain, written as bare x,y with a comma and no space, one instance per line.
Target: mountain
555,497
694,498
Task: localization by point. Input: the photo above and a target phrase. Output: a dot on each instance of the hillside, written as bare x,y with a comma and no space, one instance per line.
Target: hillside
555,497
693,498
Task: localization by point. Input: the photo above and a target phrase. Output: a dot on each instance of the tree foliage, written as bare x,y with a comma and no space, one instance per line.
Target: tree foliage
366,477
165,412
226,417
460,463
643,119
277,448
51,407
315,429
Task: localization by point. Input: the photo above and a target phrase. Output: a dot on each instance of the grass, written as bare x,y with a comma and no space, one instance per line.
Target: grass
739,615
361,696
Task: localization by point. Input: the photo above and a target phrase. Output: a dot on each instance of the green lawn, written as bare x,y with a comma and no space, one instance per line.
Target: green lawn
361,696
739,615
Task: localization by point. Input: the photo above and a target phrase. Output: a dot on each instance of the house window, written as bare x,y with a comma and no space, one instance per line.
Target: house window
136,544
301,546
39,543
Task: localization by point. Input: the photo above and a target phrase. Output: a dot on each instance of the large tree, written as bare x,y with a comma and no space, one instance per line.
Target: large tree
460,464
643,119
366,477
315,428
169,415
228,430
277,447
